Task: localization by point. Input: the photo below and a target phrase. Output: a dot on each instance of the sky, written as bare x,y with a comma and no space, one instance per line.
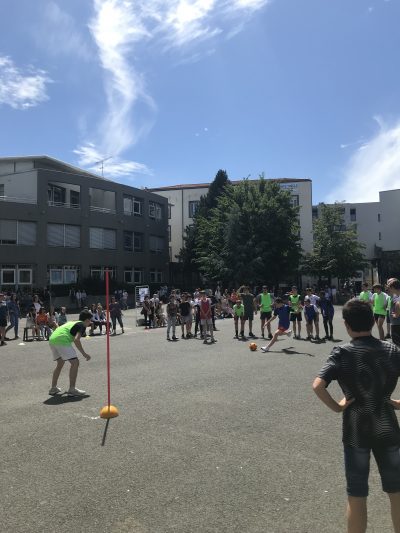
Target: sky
153,93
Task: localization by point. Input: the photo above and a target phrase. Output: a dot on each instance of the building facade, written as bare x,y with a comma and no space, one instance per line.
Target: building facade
60,225
183,201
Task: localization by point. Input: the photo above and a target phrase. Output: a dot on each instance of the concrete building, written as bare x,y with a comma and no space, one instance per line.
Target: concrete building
183,201
60,224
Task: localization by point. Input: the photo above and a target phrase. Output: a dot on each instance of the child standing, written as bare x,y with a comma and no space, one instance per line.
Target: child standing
283,312
238,314
367,371
205,317
311,317
60,342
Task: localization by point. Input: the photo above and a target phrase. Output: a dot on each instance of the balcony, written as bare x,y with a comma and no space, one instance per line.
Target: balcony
102,210
63,204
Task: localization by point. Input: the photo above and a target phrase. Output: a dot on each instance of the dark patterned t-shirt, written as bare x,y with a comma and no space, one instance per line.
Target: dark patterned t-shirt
366,369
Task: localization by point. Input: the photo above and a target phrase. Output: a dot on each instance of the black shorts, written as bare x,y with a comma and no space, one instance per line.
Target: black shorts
265,315
295,317
3,322
248,316
377,317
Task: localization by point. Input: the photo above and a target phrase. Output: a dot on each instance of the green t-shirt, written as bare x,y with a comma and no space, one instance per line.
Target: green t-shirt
365,296
265,302
379,303
295,301
238,310
62,335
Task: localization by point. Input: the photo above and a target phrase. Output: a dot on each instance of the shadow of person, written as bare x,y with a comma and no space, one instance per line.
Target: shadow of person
59,399
291,351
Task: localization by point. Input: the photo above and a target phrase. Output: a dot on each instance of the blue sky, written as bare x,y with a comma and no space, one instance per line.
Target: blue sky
171,91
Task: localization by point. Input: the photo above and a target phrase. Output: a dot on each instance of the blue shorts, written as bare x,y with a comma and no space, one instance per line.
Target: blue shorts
356,462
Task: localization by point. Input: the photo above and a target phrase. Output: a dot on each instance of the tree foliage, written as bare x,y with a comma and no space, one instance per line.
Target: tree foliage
336,251
250,236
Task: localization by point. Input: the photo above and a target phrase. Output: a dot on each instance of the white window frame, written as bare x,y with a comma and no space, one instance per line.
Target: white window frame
19,276
3,271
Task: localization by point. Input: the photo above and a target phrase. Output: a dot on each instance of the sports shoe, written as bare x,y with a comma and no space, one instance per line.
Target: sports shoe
264,349
270,336
174,338
183,335
205,341
76,392
289,333
54,390
251,334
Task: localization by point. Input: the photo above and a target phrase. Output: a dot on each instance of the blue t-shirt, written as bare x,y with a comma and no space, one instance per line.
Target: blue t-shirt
283,314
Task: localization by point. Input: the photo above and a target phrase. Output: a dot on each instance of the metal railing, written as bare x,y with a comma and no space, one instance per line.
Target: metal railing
62,204
18,199
102,210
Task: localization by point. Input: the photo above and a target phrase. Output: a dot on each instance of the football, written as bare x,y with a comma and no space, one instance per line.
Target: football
253,346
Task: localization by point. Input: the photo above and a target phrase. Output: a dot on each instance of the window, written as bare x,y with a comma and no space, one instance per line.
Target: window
156,244
8,276
75,198
62,274
17,232
98,272
24,276
103,239
56,194
102,201
156,276
294,200
63,235
339,227
379,217
380,236
133,205
353,214
169,232
133,241
1,189
155,210
16,274
193,206
138,275
169,211
315,212
128,276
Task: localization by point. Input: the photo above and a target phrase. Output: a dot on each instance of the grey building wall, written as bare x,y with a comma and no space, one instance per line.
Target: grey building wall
47,170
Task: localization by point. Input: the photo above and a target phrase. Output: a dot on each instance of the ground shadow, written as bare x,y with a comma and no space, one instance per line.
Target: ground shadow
291,351
59,399
103,440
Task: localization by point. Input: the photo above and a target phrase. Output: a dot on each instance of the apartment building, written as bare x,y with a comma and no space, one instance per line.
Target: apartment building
183,201
60,224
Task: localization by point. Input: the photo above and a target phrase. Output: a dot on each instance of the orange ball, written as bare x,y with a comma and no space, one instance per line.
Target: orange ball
253,346
109,411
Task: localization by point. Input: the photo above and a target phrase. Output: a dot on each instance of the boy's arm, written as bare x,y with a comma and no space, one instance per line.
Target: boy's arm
78,344
319,387
271,319
395,403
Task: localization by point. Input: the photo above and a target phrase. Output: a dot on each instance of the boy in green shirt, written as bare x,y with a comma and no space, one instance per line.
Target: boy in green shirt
379,304
238,313
60,343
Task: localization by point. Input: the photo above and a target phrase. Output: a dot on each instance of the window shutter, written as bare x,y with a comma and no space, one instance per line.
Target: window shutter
72,236
8,230
96,238
55,234
109,239
27,233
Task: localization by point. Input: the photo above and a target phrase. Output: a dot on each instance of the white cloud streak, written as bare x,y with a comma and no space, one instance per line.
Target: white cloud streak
119,27
22,89
373,167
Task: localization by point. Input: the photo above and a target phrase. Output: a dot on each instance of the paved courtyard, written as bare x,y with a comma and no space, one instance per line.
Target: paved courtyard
209,439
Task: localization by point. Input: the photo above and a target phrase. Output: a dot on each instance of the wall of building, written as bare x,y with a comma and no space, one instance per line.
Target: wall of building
20,186
390,219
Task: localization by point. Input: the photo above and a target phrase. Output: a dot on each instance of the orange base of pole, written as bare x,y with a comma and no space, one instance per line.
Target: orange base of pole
109,411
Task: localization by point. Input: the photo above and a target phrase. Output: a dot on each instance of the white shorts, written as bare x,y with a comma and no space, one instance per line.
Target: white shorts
186,319
63,352
206,322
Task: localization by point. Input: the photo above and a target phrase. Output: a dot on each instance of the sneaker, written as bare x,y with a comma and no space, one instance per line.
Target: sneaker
123,330
289,333
168,339
205,341
76,392
174,338
262,334
212,341
317,338
236,336
251,334
3,343
183,335
270,336
54,390
264,349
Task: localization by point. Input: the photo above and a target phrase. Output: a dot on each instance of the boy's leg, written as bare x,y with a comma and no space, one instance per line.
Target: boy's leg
316,322
272,341
326,327
236,322
262,326
379,323
168,326
57,371
121,323
299,324
356,515
242,325
395,510
173,320
250,327
294,325
330,328
73,372
211,328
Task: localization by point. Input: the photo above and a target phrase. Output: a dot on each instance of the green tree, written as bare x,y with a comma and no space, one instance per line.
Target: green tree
336,250
187,255
251,236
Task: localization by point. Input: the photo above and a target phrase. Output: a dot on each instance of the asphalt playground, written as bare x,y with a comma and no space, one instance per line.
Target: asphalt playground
210,439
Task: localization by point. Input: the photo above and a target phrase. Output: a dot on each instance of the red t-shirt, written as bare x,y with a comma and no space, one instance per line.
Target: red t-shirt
205,309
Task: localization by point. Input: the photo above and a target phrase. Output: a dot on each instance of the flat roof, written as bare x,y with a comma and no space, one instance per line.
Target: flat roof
206,185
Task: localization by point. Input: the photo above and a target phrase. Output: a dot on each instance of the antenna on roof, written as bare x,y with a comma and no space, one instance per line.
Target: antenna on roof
101,161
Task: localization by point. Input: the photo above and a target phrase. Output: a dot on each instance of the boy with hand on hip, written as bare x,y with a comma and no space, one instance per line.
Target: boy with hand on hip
367,371
60,343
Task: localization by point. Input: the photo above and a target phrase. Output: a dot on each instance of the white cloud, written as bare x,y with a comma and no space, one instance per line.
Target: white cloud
21,89
58,33
93,160
373,167
119,27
